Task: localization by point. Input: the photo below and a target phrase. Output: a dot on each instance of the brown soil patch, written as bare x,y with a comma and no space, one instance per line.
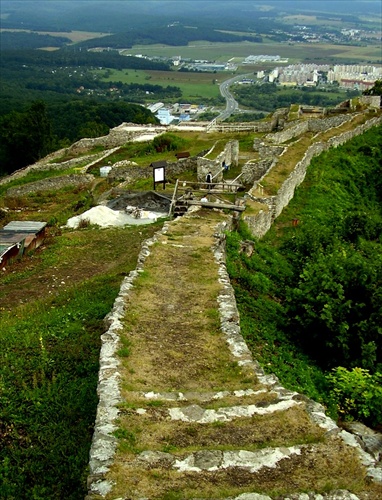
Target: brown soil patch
39,275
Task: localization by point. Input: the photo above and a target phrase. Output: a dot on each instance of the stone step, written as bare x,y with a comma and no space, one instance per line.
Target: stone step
213,460
200,396
196,413
234,473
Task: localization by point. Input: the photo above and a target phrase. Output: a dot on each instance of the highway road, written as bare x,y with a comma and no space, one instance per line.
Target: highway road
231,104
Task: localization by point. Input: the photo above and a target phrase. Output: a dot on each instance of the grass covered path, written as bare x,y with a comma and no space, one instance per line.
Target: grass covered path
197,418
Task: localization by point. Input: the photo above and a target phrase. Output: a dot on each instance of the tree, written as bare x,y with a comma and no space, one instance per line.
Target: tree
375,90
25,137
335,306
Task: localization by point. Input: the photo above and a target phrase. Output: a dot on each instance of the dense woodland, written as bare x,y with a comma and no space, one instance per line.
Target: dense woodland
146,21
75,57
11,40
170,35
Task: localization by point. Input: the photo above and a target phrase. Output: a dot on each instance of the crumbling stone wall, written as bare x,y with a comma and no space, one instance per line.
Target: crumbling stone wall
373,101
286,191
117,136
276,121
265,149
321,125
311,125
259,224
288,133
52,184
253,171
46,164
230,155
132,173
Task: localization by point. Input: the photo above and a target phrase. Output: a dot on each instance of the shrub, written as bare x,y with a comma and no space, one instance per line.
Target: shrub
168,142
357,394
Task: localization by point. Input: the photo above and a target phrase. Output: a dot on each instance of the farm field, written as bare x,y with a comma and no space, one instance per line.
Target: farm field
222,52
302,52
312,20
74,36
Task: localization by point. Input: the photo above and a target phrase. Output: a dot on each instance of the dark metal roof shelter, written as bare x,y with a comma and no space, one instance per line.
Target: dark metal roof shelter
17,237
182,154
12,245
159,164
25,226
8,253
12,237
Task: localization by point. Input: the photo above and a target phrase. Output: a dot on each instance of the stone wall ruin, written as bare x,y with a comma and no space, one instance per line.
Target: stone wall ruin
260,223
52,184
230,156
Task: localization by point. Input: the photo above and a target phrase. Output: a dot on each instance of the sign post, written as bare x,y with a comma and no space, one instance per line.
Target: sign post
159,176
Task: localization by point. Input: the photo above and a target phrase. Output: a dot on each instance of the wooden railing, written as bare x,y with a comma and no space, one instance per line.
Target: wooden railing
189,192
215,187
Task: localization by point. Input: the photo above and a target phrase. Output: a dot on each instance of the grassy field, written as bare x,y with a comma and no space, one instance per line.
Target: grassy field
192,85
338,23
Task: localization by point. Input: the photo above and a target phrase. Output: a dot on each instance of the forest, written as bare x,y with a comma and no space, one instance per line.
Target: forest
28,75
148,18
27,136
22,40
75,57
169,35
310,295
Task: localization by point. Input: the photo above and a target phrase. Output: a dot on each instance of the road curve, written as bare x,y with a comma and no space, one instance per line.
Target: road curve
231,104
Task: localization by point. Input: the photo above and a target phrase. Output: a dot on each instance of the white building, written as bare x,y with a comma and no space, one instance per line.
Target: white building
164,116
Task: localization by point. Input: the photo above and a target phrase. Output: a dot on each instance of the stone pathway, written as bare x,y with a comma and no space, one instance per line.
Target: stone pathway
186,413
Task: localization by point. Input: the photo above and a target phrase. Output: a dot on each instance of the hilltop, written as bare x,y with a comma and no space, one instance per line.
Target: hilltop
69,285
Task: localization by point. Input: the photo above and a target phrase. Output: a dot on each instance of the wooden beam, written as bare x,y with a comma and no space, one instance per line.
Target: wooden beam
209,204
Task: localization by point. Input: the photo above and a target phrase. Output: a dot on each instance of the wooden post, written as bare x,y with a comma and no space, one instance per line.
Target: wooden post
173,198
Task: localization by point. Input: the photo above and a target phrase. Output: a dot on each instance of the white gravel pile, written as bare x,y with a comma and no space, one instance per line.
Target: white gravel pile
106,217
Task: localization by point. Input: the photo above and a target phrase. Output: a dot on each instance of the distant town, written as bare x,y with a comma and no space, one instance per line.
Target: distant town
351,77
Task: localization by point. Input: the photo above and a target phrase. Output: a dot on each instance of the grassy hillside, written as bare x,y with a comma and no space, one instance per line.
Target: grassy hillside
52,307
309,294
